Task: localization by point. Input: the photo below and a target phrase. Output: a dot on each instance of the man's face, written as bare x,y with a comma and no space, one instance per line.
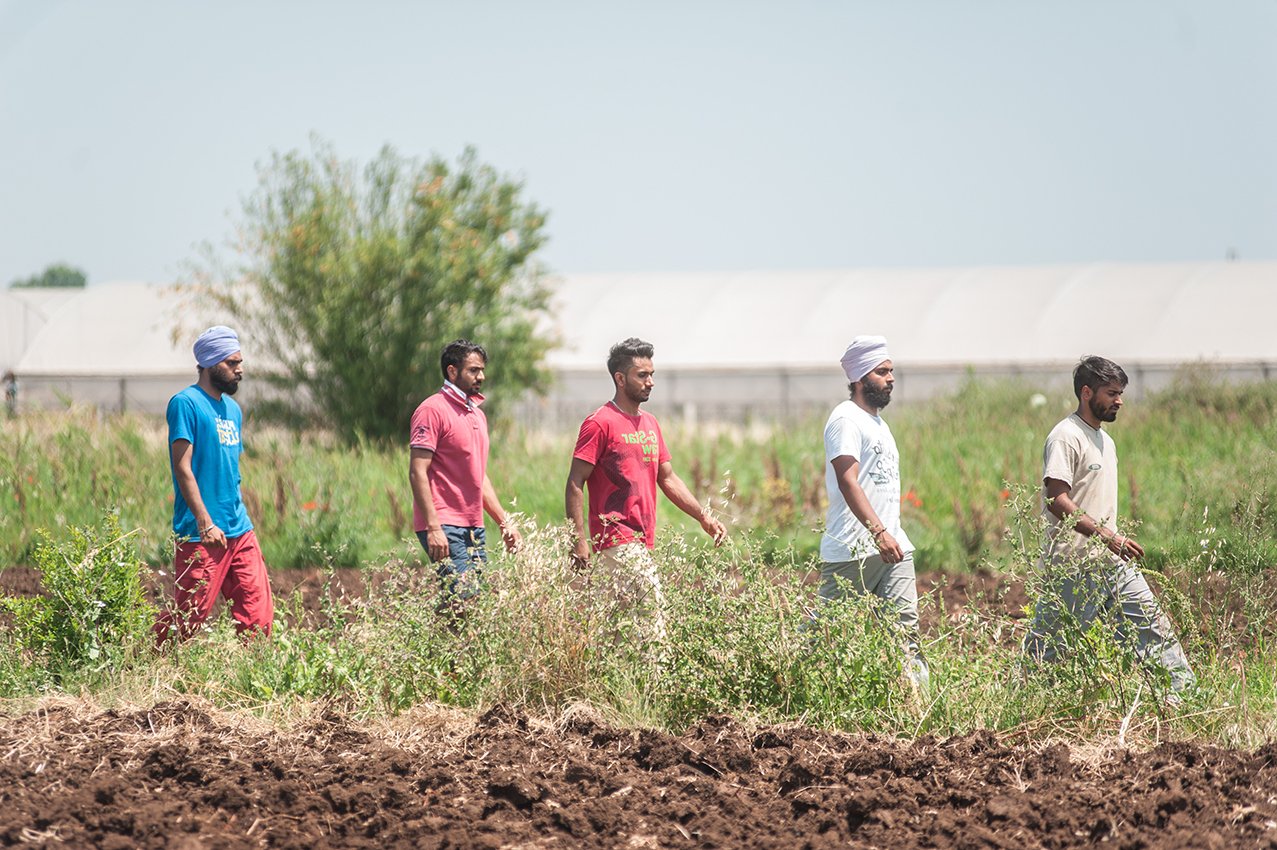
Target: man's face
1105,402
225,376
469,375
636,383
878,385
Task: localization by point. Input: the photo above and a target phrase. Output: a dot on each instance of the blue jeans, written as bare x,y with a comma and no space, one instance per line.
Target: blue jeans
459,573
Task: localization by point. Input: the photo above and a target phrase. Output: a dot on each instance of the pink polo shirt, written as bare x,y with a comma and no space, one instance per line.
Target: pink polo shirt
455,429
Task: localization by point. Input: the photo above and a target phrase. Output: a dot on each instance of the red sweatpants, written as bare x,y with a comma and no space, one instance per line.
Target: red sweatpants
201,572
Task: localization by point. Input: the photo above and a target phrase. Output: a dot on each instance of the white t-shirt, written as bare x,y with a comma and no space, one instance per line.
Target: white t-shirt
1086,459
851,432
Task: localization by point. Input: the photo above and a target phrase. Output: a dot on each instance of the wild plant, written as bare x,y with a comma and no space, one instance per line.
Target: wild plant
94,614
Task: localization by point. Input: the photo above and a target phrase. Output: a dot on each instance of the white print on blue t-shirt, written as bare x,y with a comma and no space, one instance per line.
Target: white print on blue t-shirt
227,435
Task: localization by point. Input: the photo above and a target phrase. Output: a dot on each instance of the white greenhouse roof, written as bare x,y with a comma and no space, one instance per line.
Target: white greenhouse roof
23,314
111,329
1169,313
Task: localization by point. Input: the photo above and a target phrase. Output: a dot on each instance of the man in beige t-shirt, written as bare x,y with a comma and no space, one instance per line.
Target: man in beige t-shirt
1087,562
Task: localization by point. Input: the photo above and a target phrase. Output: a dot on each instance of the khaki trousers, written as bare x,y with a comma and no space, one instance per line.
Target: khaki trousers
628,574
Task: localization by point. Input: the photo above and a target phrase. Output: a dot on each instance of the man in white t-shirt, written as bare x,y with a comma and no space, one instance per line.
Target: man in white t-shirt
1087,562
864,549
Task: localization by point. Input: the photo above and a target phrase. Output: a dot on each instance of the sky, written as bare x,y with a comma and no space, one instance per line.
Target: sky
661,136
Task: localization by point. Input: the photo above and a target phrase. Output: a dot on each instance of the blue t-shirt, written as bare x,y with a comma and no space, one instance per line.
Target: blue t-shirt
212,428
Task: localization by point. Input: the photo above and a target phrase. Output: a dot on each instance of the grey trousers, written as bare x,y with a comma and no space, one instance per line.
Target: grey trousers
895,584
1108,590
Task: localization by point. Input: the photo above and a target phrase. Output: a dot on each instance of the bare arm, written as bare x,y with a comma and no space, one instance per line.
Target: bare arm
1061,504
846,472
678,493
574,508
509,534
180,455
419,476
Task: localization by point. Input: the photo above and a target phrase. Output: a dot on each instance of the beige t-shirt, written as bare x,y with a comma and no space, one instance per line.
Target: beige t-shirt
1086,459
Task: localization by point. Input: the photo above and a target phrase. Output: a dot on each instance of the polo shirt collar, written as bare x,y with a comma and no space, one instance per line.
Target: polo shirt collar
454,392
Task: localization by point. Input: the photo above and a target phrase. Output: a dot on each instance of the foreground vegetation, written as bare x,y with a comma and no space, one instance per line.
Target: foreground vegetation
1195,464
741,641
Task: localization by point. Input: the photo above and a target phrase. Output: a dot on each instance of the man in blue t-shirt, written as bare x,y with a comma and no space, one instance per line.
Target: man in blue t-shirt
217,551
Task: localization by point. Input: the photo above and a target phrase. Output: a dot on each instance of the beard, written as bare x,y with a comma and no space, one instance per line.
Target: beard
1103,414
224,385
638,395
877,397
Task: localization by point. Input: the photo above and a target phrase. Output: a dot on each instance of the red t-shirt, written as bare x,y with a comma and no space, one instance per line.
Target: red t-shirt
457,433
626,452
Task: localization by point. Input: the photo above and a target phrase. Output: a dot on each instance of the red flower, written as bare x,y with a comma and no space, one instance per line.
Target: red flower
310,506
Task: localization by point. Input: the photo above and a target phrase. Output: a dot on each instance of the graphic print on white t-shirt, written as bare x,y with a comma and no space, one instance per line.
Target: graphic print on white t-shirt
885,467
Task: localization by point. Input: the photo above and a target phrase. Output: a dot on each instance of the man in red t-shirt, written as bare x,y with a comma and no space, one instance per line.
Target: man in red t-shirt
621,457
448,470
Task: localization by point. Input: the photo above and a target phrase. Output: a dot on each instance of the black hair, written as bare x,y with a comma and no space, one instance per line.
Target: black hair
456,352
623,353
1095,372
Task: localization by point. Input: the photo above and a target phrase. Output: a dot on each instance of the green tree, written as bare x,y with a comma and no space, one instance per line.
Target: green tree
56,275
349,281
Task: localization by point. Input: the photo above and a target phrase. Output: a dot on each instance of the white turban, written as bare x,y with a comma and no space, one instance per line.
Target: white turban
864,355
215,345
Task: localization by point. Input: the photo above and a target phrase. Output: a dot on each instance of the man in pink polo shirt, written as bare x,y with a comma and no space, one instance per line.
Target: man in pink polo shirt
448,470
621,457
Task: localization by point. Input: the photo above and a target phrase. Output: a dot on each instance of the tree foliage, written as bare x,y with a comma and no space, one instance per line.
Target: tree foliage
351,280
58,275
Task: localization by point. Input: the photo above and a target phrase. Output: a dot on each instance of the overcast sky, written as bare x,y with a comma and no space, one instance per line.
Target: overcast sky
675,136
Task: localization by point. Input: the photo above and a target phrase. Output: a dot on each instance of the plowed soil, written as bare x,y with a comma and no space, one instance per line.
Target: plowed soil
184,776
179,776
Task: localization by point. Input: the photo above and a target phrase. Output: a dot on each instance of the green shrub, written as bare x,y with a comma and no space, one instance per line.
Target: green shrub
94,615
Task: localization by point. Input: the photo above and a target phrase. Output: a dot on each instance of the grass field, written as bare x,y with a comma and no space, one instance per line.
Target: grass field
1196,464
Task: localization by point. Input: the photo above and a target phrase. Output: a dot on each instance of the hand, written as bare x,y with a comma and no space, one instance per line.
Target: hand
211,535
580,556
1124,547
436,543
511,538
888,548
713,528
